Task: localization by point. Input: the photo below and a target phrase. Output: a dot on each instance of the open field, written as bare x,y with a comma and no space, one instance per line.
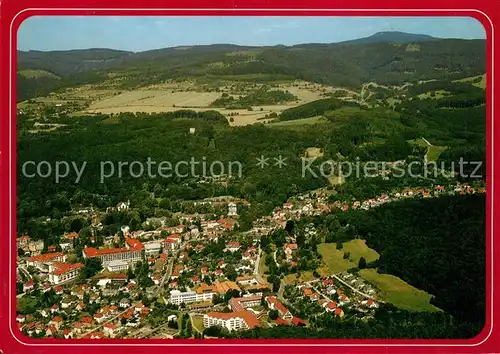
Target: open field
197,322
159,98
357,249
312,152
336,180
398,292
334,258
481,83
303,277
34,74
434,94
173,96
434,151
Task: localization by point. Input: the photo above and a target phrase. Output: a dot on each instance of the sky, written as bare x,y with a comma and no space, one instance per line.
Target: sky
139,33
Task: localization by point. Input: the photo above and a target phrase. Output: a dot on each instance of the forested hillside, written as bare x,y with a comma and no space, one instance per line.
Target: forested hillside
339,64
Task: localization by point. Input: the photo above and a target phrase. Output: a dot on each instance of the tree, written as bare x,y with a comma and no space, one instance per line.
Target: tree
273,314
231,273
362,263
130,274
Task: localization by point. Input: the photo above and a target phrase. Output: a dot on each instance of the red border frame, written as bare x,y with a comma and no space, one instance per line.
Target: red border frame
16,11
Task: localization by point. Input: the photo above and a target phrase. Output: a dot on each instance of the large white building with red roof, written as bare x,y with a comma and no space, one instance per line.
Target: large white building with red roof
42,261
275,304
231,321
60,272
131,253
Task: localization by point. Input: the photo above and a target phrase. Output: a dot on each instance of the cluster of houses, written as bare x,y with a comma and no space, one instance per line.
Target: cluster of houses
52,270
306,205
111,316
333,296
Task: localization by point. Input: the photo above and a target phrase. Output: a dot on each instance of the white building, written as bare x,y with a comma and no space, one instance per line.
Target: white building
116,266
152,248
129,255
202,293
42,261
60,272
231,321
232,209
177,297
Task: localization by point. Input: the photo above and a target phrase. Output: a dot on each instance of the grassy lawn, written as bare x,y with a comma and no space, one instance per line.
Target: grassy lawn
26,303
335,179
304,276
398,292
358,249
434,152
334,259
481,83
419,142
312,152
438,94
262,264
197,322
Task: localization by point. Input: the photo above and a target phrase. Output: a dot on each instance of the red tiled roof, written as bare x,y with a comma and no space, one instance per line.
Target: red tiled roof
282,322
297,321
71,235
134,244
233,244
332,305
62,267
277,304
47,257
94,252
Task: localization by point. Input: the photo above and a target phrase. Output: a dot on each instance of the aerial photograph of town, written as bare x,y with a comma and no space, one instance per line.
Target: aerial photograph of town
250,178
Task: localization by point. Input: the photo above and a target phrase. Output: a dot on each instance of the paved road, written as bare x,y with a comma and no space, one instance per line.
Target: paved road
426,141
353,289
257,262
274,256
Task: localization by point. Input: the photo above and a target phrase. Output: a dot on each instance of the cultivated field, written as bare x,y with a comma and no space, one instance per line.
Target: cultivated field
398,292
174,96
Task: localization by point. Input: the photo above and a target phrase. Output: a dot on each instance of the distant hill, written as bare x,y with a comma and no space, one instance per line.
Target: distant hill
383,58
392,37
68,61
